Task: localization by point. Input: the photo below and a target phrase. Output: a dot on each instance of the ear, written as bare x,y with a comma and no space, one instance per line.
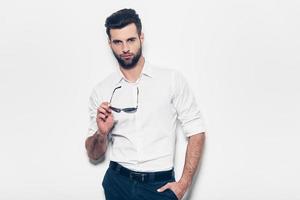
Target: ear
142,37
109,42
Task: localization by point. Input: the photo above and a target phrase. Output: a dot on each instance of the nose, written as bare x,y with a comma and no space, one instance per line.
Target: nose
125,48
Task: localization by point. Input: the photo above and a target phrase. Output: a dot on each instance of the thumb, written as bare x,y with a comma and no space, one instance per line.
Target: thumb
163,188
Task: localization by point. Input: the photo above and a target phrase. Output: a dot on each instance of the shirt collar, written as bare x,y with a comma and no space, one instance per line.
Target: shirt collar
147,70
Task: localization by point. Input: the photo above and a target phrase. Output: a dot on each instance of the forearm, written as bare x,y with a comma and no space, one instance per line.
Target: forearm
192,158
96,145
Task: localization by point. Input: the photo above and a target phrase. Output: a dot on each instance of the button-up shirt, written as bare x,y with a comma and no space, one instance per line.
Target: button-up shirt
145,140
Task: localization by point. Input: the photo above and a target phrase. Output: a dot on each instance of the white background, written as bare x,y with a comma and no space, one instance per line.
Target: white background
241,59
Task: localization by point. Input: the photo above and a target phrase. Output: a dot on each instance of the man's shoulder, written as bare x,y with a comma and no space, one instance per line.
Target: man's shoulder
163,70
168,74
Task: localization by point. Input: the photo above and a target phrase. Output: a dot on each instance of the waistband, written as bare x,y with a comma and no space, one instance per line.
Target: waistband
142,176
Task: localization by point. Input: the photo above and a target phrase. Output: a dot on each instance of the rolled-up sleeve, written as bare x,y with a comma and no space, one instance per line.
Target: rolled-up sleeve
93,105
186,106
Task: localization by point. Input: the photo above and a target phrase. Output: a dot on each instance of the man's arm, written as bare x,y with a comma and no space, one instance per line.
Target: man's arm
192,158
96,145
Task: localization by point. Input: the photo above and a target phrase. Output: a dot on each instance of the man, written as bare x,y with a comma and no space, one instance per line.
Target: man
136,109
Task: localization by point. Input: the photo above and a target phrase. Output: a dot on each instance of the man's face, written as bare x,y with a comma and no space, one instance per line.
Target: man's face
126,45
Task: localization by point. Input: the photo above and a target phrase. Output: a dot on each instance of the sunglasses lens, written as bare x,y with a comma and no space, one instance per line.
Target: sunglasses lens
115,109
129,110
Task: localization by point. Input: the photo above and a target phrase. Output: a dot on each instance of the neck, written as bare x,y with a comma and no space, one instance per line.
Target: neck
133,74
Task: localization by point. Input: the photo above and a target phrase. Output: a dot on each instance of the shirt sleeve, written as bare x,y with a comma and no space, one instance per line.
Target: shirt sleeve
93,105
186,106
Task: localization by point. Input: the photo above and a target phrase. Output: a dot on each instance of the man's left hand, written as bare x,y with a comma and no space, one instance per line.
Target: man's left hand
178,188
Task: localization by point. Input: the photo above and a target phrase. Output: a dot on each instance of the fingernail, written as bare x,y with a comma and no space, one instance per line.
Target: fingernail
158,190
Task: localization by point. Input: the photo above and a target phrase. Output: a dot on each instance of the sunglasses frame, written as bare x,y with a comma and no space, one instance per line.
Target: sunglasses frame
126,110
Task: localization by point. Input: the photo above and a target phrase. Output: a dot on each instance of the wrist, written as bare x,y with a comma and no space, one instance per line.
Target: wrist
99,133
185,182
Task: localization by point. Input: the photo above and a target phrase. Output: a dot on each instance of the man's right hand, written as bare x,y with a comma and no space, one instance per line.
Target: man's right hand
105,118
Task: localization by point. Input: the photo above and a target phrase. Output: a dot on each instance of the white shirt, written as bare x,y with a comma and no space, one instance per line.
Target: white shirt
145,140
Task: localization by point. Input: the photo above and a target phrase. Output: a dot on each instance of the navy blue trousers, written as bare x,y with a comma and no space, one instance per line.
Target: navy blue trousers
118,187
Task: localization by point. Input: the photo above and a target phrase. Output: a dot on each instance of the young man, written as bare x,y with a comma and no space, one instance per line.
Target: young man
136,109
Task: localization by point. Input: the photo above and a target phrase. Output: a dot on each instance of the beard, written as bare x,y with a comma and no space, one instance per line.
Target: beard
128,64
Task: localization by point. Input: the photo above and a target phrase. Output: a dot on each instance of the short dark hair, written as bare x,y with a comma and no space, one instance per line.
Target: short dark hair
121,19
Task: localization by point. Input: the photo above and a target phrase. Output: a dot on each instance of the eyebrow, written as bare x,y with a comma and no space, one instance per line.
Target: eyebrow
131,38
116,41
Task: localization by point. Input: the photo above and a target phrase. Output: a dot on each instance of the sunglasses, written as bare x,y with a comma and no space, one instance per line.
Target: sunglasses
127,110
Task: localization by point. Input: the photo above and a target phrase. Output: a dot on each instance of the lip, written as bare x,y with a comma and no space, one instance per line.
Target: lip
126,56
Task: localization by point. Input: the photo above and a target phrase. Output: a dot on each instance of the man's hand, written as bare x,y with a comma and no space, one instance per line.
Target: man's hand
105,118
96,144
179,188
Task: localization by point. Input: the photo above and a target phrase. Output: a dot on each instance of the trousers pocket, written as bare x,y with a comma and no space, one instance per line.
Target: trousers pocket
172,194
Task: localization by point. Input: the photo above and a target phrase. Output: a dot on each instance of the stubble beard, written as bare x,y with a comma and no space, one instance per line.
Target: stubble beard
130,63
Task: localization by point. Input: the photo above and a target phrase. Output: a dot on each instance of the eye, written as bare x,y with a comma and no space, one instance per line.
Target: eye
117,42
131,40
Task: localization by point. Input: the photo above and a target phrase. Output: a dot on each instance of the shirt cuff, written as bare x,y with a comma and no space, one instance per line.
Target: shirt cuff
193,127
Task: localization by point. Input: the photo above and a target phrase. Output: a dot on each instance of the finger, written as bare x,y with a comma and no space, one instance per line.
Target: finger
102,110
163,188
105,104
101,116
105,107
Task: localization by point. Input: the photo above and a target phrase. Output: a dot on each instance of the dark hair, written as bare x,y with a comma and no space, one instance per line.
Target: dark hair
121,19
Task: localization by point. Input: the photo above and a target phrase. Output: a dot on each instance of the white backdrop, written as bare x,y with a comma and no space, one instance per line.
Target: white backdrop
241,58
